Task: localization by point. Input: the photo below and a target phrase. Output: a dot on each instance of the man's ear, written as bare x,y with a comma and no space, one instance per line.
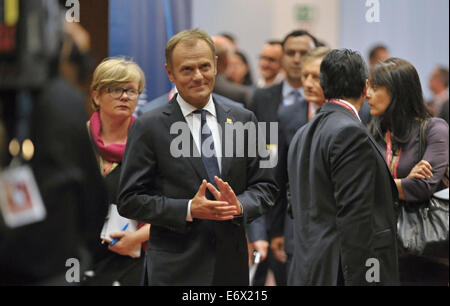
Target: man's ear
366,87
215,64
169,73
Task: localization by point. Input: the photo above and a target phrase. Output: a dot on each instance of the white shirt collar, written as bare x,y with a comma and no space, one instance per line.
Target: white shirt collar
188,109
351,105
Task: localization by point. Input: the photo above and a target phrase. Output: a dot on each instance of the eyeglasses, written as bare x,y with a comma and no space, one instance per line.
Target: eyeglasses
117,92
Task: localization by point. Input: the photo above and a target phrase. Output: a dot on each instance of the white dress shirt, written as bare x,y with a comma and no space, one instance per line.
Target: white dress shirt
194,123
287,93
351,105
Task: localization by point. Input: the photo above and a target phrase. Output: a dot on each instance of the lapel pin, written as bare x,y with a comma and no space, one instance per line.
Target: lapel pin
229,120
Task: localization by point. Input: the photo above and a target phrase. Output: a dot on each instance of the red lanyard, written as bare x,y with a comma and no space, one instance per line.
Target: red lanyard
343,105
310,112
392,159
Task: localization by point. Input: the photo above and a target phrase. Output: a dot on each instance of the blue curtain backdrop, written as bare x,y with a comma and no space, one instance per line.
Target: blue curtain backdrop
141,28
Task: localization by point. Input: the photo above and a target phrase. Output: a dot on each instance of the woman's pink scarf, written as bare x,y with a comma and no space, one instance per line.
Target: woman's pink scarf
112,153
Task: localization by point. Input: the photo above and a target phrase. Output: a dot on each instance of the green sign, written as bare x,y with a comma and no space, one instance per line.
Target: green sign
304,13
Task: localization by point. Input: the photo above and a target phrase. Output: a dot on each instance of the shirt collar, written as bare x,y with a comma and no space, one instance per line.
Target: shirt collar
352,106
287,90
188,109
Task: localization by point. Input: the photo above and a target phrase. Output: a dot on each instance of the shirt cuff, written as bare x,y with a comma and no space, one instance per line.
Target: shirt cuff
242,209
188,215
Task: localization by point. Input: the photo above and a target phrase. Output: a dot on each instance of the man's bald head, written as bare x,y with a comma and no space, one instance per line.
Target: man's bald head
224,49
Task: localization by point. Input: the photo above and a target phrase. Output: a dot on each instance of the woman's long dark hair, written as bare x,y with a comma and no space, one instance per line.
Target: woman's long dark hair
407,107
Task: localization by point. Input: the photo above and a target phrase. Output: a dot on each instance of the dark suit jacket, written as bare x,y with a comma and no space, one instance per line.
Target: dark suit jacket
236,92
265,104
155,187
343,198
291,118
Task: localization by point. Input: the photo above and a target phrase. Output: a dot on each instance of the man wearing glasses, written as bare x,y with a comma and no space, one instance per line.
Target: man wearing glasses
270,64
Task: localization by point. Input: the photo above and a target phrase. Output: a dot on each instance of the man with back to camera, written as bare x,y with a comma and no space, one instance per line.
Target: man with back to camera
343,194
195,239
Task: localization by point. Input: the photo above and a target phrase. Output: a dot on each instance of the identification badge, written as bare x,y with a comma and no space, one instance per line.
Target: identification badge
20,200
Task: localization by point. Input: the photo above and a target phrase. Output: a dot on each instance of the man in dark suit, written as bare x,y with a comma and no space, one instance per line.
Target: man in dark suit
266,104
194,239
343,195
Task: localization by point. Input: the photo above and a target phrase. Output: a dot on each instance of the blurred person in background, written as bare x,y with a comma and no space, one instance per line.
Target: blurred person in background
223,86
116,85
378,53
438,85
270,67
65,170
398,109
240,69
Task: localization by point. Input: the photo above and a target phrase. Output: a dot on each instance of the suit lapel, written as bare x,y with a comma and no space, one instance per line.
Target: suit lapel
174,115
277,95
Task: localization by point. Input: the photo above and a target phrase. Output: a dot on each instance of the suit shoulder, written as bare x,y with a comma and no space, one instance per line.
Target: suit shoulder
241,112
154,113
267,92
148,120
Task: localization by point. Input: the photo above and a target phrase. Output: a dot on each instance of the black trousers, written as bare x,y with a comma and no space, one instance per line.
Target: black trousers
278,268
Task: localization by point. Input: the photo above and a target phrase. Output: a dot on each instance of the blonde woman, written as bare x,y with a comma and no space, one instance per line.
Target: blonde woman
115,89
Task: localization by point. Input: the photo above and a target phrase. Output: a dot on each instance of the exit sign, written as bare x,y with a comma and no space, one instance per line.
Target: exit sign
304,13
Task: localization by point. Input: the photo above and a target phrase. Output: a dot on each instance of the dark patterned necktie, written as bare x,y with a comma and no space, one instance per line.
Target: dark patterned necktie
207,148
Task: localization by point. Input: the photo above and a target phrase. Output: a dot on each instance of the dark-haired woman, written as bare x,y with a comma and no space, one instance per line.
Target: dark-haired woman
397,107
240,69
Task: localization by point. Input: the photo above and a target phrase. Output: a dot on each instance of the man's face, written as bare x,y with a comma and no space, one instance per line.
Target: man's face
380,56
294,49
435,83
270,61
311,81
193,71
